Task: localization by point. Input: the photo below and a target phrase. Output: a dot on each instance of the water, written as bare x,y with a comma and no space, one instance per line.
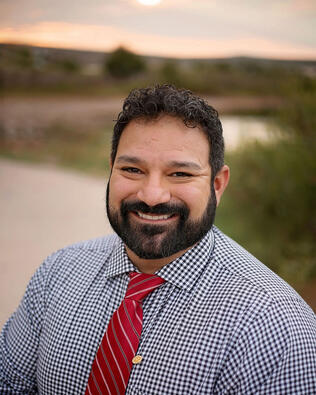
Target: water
241,129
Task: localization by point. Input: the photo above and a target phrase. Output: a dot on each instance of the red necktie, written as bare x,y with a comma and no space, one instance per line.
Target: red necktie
113,362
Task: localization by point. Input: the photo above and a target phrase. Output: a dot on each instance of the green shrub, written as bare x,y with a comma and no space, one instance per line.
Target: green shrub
170,73
269,205
24,58
68,66
123,63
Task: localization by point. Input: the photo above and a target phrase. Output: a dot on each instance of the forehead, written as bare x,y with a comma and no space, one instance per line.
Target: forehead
165,136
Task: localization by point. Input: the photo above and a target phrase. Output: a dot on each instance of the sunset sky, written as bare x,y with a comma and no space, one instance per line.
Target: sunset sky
177,28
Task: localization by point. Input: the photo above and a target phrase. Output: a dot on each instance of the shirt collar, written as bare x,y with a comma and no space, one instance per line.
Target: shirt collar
185,270
182,272
119,262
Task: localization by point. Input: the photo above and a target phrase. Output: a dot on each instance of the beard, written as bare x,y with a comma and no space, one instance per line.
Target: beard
151,241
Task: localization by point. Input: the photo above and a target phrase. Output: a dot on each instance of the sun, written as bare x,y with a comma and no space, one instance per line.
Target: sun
149,2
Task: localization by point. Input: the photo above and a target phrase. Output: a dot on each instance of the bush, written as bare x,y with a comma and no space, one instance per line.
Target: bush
24,58
123,63
170,73
269,206
69,66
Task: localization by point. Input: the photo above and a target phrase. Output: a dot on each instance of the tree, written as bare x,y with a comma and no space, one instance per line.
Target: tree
123,63
170,73
24,57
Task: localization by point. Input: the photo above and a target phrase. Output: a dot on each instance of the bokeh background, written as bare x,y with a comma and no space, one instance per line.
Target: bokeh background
65,68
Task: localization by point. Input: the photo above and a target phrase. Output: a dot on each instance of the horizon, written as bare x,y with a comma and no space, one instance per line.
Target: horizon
82,49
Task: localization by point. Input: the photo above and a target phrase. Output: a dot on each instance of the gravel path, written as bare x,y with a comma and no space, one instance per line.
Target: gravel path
42,209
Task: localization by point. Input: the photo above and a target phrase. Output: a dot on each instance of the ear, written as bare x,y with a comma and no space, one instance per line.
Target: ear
220,182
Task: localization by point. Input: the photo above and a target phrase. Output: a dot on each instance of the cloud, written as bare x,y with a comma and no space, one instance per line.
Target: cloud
289,25
302,6
203,19
106,38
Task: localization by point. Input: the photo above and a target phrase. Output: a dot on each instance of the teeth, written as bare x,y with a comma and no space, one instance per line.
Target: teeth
155,218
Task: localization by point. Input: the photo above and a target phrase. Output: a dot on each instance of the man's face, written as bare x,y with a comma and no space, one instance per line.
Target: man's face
159,198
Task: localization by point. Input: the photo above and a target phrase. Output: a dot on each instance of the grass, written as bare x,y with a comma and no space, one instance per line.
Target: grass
64,145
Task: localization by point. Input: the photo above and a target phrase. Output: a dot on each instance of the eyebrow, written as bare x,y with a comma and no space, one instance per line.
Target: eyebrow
130,159
173,163
185,164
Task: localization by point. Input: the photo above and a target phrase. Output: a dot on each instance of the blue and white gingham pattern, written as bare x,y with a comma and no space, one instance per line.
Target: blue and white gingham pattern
222,323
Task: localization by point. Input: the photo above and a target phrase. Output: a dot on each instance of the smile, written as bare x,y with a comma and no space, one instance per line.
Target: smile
154,217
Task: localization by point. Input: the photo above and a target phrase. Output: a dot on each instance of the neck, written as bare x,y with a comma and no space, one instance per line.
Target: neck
151,266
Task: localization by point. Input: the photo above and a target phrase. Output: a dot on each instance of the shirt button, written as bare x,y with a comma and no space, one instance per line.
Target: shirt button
137,359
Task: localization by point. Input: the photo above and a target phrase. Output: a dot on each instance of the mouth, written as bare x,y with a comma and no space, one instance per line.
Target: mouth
153,217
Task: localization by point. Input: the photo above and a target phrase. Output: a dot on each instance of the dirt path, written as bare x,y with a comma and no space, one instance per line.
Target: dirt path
42,209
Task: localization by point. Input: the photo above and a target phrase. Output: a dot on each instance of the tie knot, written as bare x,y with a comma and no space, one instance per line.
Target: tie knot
141,284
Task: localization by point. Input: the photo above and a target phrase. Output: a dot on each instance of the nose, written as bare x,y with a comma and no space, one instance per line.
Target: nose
153,192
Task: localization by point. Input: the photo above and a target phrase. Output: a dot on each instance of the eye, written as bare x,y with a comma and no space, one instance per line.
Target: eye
132,170
181,174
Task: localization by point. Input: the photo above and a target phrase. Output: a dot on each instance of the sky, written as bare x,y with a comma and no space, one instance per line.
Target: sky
176,28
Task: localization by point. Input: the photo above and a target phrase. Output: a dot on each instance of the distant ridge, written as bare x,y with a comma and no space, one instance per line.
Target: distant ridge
85,57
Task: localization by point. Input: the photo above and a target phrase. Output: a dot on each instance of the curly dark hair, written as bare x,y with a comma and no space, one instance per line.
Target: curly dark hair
149,103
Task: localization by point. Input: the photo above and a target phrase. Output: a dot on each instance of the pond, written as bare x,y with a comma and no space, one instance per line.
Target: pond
240,129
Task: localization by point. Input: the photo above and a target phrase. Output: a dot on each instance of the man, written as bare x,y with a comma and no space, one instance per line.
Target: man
217,321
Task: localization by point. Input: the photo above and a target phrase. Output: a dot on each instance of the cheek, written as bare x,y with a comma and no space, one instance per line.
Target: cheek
196,198
120,189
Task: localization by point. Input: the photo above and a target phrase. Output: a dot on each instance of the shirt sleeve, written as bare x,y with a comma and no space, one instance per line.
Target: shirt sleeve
20,337
276,354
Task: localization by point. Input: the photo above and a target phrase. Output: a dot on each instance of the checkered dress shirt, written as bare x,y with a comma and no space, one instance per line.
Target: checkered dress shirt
222,323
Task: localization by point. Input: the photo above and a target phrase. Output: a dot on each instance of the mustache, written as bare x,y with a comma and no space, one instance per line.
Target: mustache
161,208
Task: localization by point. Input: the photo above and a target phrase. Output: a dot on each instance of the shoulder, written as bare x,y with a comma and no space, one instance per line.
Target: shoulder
102,246
274,328
258,292
82,260
248,269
